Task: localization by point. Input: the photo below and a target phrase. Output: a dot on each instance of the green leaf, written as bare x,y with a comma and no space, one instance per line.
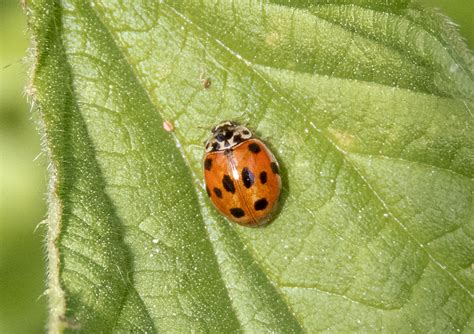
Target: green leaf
368,106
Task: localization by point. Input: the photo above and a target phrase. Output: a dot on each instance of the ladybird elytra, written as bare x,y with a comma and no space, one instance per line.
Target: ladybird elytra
241,175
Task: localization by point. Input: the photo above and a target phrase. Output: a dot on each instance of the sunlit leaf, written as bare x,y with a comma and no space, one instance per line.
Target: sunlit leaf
368,106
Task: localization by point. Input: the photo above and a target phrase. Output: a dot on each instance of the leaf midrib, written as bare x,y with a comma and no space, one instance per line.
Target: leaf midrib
186,161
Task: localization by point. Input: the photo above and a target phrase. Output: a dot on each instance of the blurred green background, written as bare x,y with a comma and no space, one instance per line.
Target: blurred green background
22,187
23,173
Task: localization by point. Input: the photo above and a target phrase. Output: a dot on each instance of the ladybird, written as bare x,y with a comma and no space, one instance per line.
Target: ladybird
242,176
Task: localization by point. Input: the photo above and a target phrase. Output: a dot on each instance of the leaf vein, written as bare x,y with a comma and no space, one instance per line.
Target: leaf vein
340,150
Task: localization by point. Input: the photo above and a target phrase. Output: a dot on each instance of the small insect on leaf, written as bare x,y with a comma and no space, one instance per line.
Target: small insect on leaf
206,83
168,126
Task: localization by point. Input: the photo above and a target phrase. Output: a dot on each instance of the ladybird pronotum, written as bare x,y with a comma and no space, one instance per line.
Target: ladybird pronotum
242,176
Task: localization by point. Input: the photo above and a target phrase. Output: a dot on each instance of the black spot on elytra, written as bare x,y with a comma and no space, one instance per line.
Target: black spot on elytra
263,177
228,184
218,192
274,167
254,148
261,204
237,212
247,177
208,163
208,192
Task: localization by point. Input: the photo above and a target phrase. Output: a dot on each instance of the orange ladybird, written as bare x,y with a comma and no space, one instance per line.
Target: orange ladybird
241,174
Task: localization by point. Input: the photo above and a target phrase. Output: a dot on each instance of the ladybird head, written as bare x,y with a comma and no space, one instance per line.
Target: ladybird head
226,135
